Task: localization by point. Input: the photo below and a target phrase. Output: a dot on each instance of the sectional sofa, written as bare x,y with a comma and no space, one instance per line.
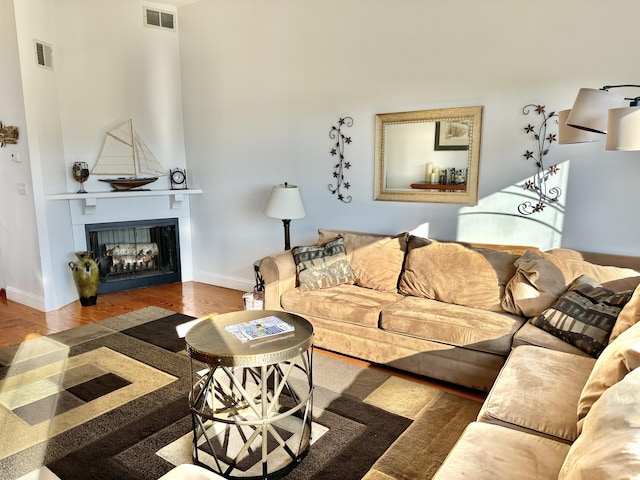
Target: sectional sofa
554,337
451,311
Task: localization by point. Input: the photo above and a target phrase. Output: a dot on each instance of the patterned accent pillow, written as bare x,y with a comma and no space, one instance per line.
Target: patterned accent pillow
584,315
323,266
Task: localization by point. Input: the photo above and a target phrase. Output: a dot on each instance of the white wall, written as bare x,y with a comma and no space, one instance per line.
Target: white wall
108,67
247,91
20,271
263,82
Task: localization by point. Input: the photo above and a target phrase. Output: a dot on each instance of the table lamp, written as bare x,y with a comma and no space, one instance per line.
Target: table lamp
285,203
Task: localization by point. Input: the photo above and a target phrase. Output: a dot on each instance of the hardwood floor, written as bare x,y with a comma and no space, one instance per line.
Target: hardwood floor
19,322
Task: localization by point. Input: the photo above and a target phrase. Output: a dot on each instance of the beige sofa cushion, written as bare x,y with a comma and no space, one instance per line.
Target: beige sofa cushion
456,273
344,303
530,335
541,278
617,360
628,317
607,448
352,240
491,452
480,330
379,263
537,391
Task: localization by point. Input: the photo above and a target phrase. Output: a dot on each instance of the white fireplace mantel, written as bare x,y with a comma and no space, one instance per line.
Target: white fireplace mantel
90,199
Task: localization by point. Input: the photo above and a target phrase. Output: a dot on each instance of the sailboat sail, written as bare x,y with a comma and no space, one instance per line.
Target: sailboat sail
147,161
125,153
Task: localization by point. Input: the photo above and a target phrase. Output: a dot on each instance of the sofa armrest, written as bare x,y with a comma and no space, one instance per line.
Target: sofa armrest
279,274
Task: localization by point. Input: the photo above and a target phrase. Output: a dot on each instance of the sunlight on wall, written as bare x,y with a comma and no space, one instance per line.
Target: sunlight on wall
496,219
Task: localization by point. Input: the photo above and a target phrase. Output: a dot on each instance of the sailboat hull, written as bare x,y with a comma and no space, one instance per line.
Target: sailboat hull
121,184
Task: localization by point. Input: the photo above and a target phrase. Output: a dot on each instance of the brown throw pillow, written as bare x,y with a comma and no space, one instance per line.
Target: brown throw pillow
584,315
323,266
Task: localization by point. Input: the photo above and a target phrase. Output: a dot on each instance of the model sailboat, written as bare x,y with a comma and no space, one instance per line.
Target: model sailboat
125,153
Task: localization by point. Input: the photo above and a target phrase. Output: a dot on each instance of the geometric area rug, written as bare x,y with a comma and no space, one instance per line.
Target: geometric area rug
108,400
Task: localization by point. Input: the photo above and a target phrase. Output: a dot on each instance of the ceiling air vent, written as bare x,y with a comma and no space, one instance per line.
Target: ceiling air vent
44,54
159,18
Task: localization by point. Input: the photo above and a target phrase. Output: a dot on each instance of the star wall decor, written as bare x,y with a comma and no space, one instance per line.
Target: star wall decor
338,170
543,141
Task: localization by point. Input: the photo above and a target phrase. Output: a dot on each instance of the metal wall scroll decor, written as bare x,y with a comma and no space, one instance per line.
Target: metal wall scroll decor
8,135
339,168
538,184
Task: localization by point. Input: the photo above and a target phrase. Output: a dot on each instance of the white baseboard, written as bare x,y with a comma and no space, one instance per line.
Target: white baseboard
224,281
25,298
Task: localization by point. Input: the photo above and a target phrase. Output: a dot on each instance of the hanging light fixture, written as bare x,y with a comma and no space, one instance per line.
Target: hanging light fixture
603,112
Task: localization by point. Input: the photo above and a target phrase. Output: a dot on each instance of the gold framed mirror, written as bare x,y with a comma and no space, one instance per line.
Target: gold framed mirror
428,155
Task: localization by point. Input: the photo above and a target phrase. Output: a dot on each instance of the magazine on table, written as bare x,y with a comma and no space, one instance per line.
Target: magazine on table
259,328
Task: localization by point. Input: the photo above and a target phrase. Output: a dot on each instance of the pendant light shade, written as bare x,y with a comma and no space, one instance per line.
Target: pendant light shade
567,134
624,129
589,111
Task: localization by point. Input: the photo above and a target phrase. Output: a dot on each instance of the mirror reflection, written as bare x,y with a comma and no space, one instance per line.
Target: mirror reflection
428,155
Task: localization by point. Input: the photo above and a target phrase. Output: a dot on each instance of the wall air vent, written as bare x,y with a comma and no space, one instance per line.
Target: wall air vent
44,54
159,19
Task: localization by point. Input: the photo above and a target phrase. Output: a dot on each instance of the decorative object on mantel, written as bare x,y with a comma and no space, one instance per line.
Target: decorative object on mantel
285,203
125,153
80,172
538,184
338,170
178,178
8,135
86,274
603,112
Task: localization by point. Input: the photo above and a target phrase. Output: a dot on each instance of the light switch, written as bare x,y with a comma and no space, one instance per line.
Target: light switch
22,188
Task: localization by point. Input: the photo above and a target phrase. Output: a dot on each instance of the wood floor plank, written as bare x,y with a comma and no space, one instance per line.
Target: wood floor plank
19,322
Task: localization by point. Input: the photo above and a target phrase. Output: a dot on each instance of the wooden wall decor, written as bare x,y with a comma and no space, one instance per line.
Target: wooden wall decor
8,135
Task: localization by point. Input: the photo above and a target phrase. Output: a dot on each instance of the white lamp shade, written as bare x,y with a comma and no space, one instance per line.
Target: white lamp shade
285,203
567,134
590,109
624,129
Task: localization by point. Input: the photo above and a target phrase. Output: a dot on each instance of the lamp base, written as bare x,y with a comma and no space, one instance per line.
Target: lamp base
287,241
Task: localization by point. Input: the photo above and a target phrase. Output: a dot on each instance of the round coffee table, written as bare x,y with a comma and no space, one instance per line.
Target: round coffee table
252,403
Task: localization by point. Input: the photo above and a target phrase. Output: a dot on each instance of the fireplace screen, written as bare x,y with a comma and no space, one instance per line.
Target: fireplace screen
135,254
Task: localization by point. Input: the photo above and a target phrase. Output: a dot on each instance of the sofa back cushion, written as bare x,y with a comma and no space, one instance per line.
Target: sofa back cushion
352,240
377,259
607,448
457,273
628,317
378,264
541,278
617,360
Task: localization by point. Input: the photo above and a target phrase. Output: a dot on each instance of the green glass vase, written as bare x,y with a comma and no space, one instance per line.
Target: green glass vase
86,274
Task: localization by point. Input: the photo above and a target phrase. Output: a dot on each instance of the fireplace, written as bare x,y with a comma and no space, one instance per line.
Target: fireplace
135,254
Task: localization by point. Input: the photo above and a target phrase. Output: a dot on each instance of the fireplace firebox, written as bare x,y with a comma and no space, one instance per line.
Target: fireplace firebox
135,254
